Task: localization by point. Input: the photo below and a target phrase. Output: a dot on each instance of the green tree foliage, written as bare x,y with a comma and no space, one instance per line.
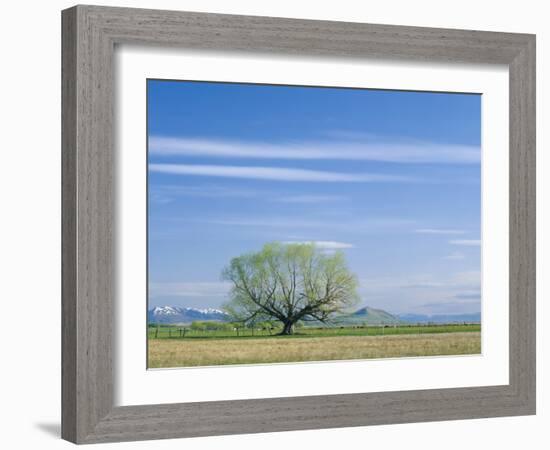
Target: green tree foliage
289,283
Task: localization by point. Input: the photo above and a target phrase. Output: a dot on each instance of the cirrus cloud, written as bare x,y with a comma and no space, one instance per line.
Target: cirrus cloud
466,242
372,149
438,231
275,173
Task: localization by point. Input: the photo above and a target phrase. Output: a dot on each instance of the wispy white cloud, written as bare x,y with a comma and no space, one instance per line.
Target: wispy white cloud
365,225
269,222
423,285
455,256
166,193
466,242
189,289
310,199
340,149
438,231
201,191
475,295
327,245
275,173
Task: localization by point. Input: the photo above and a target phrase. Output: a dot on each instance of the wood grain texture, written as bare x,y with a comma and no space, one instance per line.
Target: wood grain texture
88,211
68,226
523,224
89,36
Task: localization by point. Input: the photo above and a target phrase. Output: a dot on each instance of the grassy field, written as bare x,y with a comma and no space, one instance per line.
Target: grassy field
310,344
177,332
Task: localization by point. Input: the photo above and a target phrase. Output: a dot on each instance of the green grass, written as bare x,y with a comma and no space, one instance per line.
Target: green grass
176,332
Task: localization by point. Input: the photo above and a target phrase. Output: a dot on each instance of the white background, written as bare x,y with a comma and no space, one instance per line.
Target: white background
134,385
30,225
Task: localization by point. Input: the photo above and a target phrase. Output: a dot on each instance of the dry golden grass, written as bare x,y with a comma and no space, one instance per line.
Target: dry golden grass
209,352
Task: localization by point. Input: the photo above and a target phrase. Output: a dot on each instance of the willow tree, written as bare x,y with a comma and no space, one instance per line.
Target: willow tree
289,283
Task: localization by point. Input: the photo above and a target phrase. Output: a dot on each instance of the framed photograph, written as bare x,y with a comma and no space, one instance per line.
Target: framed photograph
268,222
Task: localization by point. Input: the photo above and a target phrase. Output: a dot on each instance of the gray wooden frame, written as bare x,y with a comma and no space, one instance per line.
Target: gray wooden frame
89,36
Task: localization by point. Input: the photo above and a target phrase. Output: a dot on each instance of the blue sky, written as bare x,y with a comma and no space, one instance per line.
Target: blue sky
391,178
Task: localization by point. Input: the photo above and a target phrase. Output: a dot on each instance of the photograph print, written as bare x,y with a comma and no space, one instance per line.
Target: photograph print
292,224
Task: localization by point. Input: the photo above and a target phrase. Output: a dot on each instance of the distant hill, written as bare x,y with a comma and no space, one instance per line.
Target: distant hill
176,314
441,318
367,316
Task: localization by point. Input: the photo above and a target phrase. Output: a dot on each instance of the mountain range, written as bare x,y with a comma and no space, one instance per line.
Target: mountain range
177,314
365,315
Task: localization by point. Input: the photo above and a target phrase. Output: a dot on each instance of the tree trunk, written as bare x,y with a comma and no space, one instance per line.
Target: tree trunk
288,328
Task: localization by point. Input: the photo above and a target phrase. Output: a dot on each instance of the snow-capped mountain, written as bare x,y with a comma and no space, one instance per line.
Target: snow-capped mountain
177,314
